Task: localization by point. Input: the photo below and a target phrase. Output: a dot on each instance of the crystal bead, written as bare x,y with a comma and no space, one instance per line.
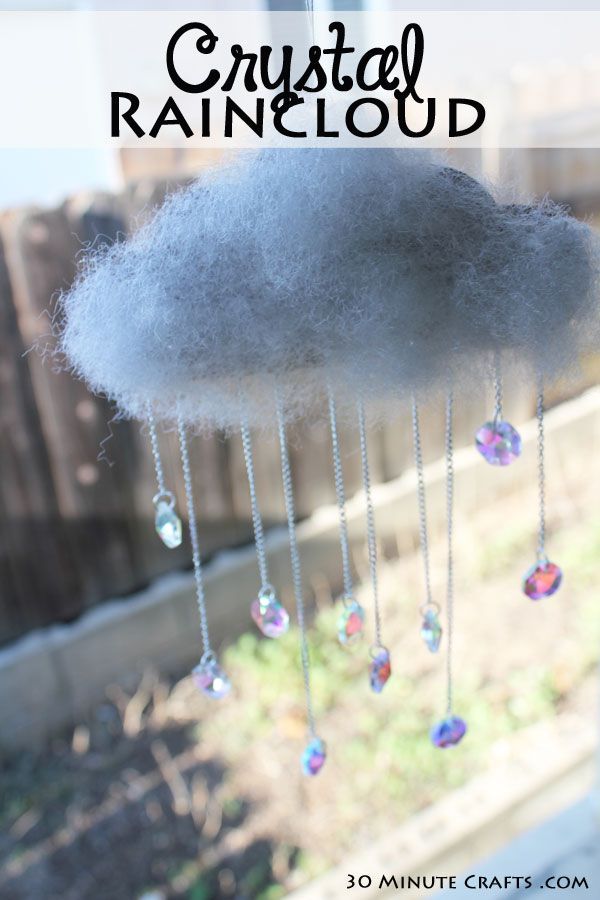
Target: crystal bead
168,524
380,670
351,622
448,732
210,678
542,580
498,442
314,756
270,616
431,630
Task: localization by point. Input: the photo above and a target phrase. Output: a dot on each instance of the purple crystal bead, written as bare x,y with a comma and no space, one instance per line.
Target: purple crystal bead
431,630
270,616
351,622
448,732
380,670
210,678
314,756
542,580
498,442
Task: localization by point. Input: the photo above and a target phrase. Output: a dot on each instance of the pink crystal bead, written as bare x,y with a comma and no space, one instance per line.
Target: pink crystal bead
498,442
542,580
270,616
210,678
351,622
314,756
449,732
380,670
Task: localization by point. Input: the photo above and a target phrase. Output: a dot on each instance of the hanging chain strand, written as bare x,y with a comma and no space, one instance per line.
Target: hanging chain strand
541,550
497,389
450,523
193,527
310,10
288,491
371,534
158,468
341,499
259,535
421,498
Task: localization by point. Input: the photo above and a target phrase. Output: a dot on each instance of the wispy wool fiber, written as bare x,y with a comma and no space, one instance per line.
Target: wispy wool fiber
380,272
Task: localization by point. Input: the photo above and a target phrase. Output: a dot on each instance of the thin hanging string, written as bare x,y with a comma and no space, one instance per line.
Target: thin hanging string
371,535
541,550
288,491
497,389
421,498
341,499
310,10
160,475
450,524
259,535
189,497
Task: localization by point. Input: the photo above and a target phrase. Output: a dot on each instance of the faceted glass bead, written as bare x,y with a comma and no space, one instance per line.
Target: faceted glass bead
380,670
210,678
499,443
431,630
351,622
168,525
314,756
270,616
448,732
542,580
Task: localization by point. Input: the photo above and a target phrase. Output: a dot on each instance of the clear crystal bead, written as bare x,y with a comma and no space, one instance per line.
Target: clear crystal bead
270,615
168,524
210,678
351,622
431,630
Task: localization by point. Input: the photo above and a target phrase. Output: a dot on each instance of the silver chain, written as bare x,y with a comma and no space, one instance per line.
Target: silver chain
371,535
449,453
193,527
497,394
450,522
541,549
421,498
259,535
160,475
288,491
310,10
341,499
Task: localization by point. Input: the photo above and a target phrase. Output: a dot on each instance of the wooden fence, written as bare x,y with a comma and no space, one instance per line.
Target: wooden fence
76,530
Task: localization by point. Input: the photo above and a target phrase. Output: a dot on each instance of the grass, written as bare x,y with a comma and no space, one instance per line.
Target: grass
383,764
255,827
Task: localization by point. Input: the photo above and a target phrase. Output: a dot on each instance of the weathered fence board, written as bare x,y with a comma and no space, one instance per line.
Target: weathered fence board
27,495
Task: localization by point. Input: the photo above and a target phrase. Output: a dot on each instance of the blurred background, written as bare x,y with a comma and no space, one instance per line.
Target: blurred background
118,779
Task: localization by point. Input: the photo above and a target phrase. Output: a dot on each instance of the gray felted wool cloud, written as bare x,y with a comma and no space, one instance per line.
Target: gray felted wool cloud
379,272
